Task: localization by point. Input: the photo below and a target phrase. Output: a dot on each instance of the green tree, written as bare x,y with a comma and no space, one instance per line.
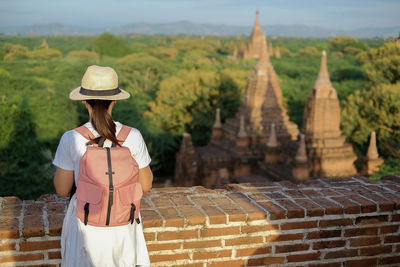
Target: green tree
382,64
23,166
340,43
107,44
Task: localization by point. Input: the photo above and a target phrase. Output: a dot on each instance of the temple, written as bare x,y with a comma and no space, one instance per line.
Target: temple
261,142
256,41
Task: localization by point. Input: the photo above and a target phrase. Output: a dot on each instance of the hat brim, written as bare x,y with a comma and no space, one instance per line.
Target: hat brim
76,95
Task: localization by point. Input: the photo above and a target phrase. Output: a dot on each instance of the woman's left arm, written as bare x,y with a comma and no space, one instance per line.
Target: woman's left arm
63,181
146,178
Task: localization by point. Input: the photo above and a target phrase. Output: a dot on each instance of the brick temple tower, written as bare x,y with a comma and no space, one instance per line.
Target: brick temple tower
328,153
256,42
241,142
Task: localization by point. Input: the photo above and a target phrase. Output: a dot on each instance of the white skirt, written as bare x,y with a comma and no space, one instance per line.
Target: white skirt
88,246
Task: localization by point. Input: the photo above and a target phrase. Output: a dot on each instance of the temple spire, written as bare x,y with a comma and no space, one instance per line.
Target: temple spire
217,123
257,23
372,150
301,155
323,80
272,140
242,130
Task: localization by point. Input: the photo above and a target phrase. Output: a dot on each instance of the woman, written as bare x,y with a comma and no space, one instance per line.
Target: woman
87,245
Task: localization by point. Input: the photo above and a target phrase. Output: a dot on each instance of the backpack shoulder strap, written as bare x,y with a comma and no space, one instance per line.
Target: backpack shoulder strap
85,132
123,134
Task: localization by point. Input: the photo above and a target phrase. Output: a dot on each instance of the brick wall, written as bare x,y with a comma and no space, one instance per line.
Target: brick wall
335,222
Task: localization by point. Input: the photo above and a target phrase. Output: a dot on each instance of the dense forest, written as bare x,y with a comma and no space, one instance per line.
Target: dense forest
176,83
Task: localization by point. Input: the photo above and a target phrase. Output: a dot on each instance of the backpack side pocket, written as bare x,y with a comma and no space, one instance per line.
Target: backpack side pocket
89,202
129,202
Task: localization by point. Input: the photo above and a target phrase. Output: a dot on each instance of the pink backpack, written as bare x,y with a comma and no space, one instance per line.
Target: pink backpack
108,191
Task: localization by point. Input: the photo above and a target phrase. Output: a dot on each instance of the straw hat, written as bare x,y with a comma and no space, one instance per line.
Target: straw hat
99,83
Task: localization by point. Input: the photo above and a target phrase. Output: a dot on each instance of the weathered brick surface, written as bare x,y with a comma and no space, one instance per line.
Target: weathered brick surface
332,222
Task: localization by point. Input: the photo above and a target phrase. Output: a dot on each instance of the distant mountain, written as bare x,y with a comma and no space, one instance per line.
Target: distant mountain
191,28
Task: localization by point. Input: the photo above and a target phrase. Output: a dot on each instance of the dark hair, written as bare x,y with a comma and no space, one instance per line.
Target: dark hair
102,121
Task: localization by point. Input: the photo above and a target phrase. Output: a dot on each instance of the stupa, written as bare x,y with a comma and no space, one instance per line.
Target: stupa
256,41
328,153
237,145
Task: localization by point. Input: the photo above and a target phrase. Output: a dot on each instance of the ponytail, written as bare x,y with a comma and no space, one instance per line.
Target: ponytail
102,121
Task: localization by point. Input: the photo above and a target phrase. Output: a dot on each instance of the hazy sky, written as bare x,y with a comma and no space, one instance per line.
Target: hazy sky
341,14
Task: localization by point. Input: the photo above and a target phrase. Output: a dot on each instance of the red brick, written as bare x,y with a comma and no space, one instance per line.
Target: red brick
55,208
169,257
361,231
371,219
39,245
7,246
197,255
243,240
389,260
215,216
150,218
392,239
398,248
366,205
299,225
163,246
335,223
372,251
324,234
34,209
293,193
383,203
273,260
311,208
393,198
396,218
291,248
364,241
293,210
9,228
329,206
9,212
199,264
329,192
144,204
332,264
33,226
181,199
252,251
286,237
161,201
253,211
171,216
201,201
304,257
344,253
192,214
311,193
149,236
21,257
348,206
173,235
54,255
202,244
55,224
328,244
230,263
235,213
12,200
275,212
388,229
363,262
258,228
207,232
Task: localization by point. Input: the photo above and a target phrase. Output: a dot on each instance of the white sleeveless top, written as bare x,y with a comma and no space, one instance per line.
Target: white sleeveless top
86,245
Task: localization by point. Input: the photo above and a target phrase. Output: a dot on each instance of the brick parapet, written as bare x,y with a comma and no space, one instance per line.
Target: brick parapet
338,222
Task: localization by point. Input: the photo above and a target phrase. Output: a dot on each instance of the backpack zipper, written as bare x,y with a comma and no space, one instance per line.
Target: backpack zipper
110,186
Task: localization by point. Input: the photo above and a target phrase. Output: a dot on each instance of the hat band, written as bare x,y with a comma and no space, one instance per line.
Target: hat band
90,92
